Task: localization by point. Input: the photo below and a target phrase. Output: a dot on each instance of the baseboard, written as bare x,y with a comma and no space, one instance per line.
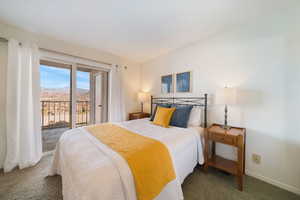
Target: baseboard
274,182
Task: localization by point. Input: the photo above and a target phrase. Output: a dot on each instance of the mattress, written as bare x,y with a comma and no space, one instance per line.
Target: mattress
91,170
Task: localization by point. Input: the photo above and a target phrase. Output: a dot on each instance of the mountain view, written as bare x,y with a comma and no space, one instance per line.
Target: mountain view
63,94
55,84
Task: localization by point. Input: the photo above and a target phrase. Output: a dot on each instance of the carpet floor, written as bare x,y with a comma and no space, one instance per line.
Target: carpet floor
33,184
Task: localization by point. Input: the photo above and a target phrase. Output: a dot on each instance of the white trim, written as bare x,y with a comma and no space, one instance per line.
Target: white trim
109,84
105,94
274,182
92,96
73,95
67,59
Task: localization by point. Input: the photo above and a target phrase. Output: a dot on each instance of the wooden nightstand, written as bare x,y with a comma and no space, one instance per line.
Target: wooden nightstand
234,137
138,115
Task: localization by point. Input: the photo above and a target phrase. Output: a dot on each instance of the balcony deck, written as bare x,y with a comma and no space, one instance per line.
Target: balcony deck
50,137
56,120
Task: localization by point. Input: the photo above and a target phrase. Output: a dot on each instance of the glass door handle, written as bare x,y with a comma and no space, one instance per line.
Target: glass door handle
99,105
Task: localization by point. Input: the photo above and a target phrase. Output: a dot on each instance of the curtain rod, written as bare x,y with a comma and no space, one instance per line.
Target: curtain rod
53,51
2,38
6,40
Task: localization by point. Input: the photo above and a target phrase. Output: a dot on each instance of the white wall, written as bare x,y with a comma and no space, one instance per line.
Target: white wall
263,62
131,76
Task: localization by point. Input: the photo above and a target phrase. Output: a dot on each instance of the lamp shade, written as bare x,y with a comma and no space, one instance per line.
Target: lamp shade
142,97
226,96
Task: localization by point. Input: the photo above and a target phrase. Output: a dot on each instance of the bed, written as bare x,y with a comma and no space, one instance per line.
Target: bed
91,170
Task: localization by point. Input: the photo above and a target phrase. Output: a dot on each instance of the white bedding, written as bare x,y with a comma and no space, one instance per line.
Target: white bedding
90,170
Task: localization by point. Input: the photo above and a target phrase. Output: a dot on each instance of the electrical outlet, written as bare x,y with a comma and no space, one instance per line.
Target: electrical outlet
256,158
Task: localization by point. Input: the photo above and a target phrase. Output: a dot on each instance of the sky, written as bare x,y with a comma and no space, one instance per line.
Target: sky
54,77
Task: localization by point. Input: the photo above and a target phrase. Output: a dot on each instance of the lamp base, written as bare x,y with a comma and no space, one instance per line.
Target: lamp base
226,127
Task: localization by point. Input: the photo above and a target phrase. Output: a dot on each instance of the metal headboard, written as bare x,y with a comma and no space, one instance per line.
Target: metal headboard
192,101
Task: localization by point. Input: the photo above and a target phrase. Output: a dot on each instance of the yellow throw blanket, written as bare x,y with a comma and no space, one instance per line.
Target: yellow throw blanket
148,159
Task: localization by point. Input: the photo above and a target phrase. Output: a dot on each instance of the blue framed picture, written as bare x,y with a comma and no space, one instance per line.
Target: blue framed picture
183,82
167,84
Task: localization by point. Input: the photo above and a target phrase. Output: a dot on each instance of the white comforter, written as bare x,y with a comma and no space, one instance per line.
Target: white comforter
92,171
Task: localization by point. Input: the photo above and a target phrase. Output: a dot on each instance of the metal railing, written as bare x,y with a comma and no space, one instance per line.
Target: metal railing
57,114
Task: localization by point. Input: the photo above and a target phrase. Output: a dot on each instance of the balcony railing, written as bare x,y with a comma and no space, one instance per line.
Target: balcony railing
57,114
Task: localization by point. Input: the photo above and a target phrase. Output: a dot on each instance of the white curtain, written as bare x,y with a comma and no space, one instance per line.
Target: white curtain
116,97
23,125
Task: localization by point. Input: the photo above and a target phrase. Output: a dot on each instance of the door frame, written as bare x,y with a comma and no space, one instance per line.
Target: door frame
74,63
104,96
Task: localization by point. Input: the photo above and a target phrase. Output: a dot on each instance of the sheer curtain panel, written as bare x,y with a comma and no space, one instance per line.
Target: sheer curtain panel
116,97
23,130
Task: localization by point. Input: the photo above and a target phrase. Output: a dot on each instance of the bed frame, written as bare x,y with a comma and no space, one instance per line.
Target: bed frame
192,101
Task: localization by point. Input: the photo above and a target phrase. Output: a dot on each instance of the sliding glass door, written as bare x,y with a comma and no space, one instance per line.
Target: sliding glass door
72,95
91,96
55,95
83,97
99,81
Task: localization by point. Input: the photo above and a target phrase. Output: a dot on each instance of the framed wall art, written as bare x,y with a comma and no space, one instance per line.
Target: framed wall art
183,82
167,84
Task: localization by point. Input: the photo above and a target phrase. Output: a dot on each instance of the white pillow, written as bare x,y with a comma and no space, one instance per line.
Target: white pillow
195,116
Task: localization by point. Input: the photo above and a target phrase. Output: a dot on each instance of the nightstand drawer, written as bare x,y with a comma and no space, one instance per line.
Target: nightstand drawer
138,115
135,116
226,139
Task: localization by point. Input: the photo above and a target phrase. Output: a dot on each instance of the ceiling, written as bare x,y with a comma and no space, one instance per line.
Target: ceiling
136,29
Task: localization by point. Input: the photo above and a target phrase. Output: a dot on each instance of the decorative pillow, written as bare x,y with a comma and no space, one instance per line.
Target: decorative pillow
181,116
161,105
163,116
195,117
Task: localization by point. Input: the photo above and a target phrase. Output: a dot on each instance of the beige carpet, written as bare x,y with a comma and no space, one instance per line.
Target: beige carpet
33,184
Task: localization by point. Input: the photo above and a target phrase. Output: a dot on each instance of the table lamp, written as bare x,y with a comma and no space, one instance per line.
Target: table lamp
226,96
142,97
